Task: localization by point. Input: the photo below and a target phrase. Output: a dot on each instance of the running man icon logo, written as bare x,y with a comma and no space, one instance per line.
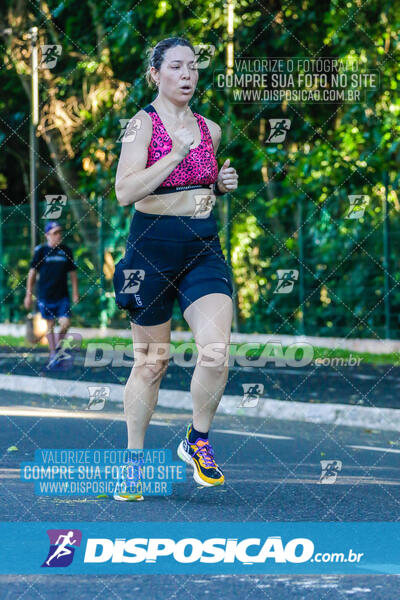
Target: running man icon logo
50,54
286,280
330,470
203,53
98,394
358,204
204,205
129,129
133,279
62,547
54,206
279,129
252,392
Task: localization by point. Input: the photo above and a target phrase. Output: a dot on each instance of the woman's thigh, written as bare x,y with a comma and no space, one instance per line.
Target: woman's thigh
210,318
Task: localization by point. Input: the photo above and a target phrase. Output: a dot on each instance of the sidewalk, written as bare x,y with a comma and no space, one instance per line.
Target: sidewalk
384,419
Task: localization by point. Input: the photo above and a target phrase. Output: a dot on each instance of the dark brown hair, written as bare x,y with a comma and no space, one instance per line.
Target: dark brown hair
155,56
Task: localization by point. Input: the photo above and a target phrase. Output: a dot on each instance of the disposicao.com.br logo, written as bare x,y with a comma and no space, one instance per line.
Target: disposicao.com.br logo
247,551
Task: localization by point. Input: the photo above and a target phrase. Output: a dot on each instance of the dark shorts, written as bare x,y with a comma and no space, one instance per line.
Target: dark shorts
169,257
54,310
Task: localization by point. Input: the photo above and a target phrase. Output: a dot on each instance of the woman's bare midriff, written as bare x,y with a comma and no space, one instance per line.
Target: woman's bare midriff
183,204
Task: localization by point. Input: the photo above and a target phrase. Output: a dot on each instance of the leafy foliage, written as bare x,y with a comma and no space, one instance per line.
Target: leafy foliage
289,211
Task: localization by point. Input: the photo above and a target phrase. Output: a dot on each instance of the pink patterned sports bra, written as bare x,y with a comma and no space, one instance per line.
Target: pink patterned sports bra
198,169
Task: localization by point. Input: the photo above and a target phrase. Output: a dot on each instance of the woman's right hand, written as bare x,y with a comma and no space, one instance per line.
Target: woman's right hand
181,142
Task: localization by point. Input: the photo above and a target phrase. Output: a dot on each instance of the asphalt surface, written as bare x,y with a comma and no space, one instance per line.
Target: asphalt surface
271,475
267,479
179,587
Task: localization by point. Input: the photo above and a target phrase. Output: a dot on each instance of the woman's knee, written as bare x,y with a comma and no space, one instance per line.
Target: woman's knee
220,371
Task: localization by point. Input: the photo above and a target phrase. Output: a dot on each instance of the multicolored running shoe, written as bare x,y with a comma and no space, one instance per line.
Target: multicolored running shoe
129,485
200,456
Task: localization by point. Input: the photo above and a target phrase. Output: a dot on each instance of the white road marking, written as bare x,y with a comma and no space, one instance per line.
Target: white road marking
375,449
251,434
57,413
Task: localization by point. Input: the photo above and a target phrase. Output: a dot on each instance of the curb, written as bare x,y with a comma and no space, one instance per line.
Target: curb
385,419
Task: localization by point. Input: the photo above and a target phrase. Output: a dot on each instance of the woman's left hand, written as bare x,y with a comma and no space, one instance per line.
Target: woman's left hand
227,178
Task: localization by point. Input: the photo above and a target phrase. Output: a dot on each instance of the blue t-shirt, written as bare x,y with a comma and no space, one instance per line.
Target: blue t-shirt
53,265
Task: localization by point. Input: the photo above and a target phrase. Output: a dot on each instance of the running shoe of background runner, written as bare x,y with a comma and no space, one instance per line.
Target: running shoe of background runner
51,365
200,456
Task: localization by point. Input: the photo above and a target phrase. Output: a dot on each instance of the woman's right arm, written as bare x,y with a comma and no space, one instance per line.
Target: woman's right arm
133,180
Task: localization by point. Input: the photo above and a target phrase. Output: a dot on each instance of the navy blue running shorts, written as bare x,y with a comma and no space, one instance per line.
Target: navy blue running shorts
169,257
54,309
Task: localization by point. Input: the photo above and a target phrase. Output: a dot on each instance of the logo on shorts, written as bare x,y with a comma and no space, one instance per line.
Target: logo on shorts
252,392
63,543
279,129
133,279
286,280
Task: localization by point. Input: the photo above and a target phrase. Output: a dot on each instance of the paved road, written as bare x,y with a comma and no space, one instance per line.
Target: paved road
271,475
180,587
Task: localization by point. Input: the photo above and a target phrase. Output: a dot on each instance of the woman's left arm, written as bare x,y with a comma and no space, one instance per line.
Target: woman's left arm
227,177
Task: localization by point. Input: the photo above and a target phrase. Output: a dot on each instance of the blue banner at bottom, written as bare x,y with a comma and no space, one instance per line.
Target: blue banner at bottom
219,547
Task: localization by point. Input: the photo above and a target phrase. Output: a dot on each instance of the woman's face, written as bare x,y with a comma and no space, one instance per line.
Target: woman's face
178,74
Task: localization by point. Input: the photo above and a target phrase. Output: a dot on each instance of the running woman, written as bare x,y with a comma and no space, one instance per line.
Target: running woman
168,170
53,261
